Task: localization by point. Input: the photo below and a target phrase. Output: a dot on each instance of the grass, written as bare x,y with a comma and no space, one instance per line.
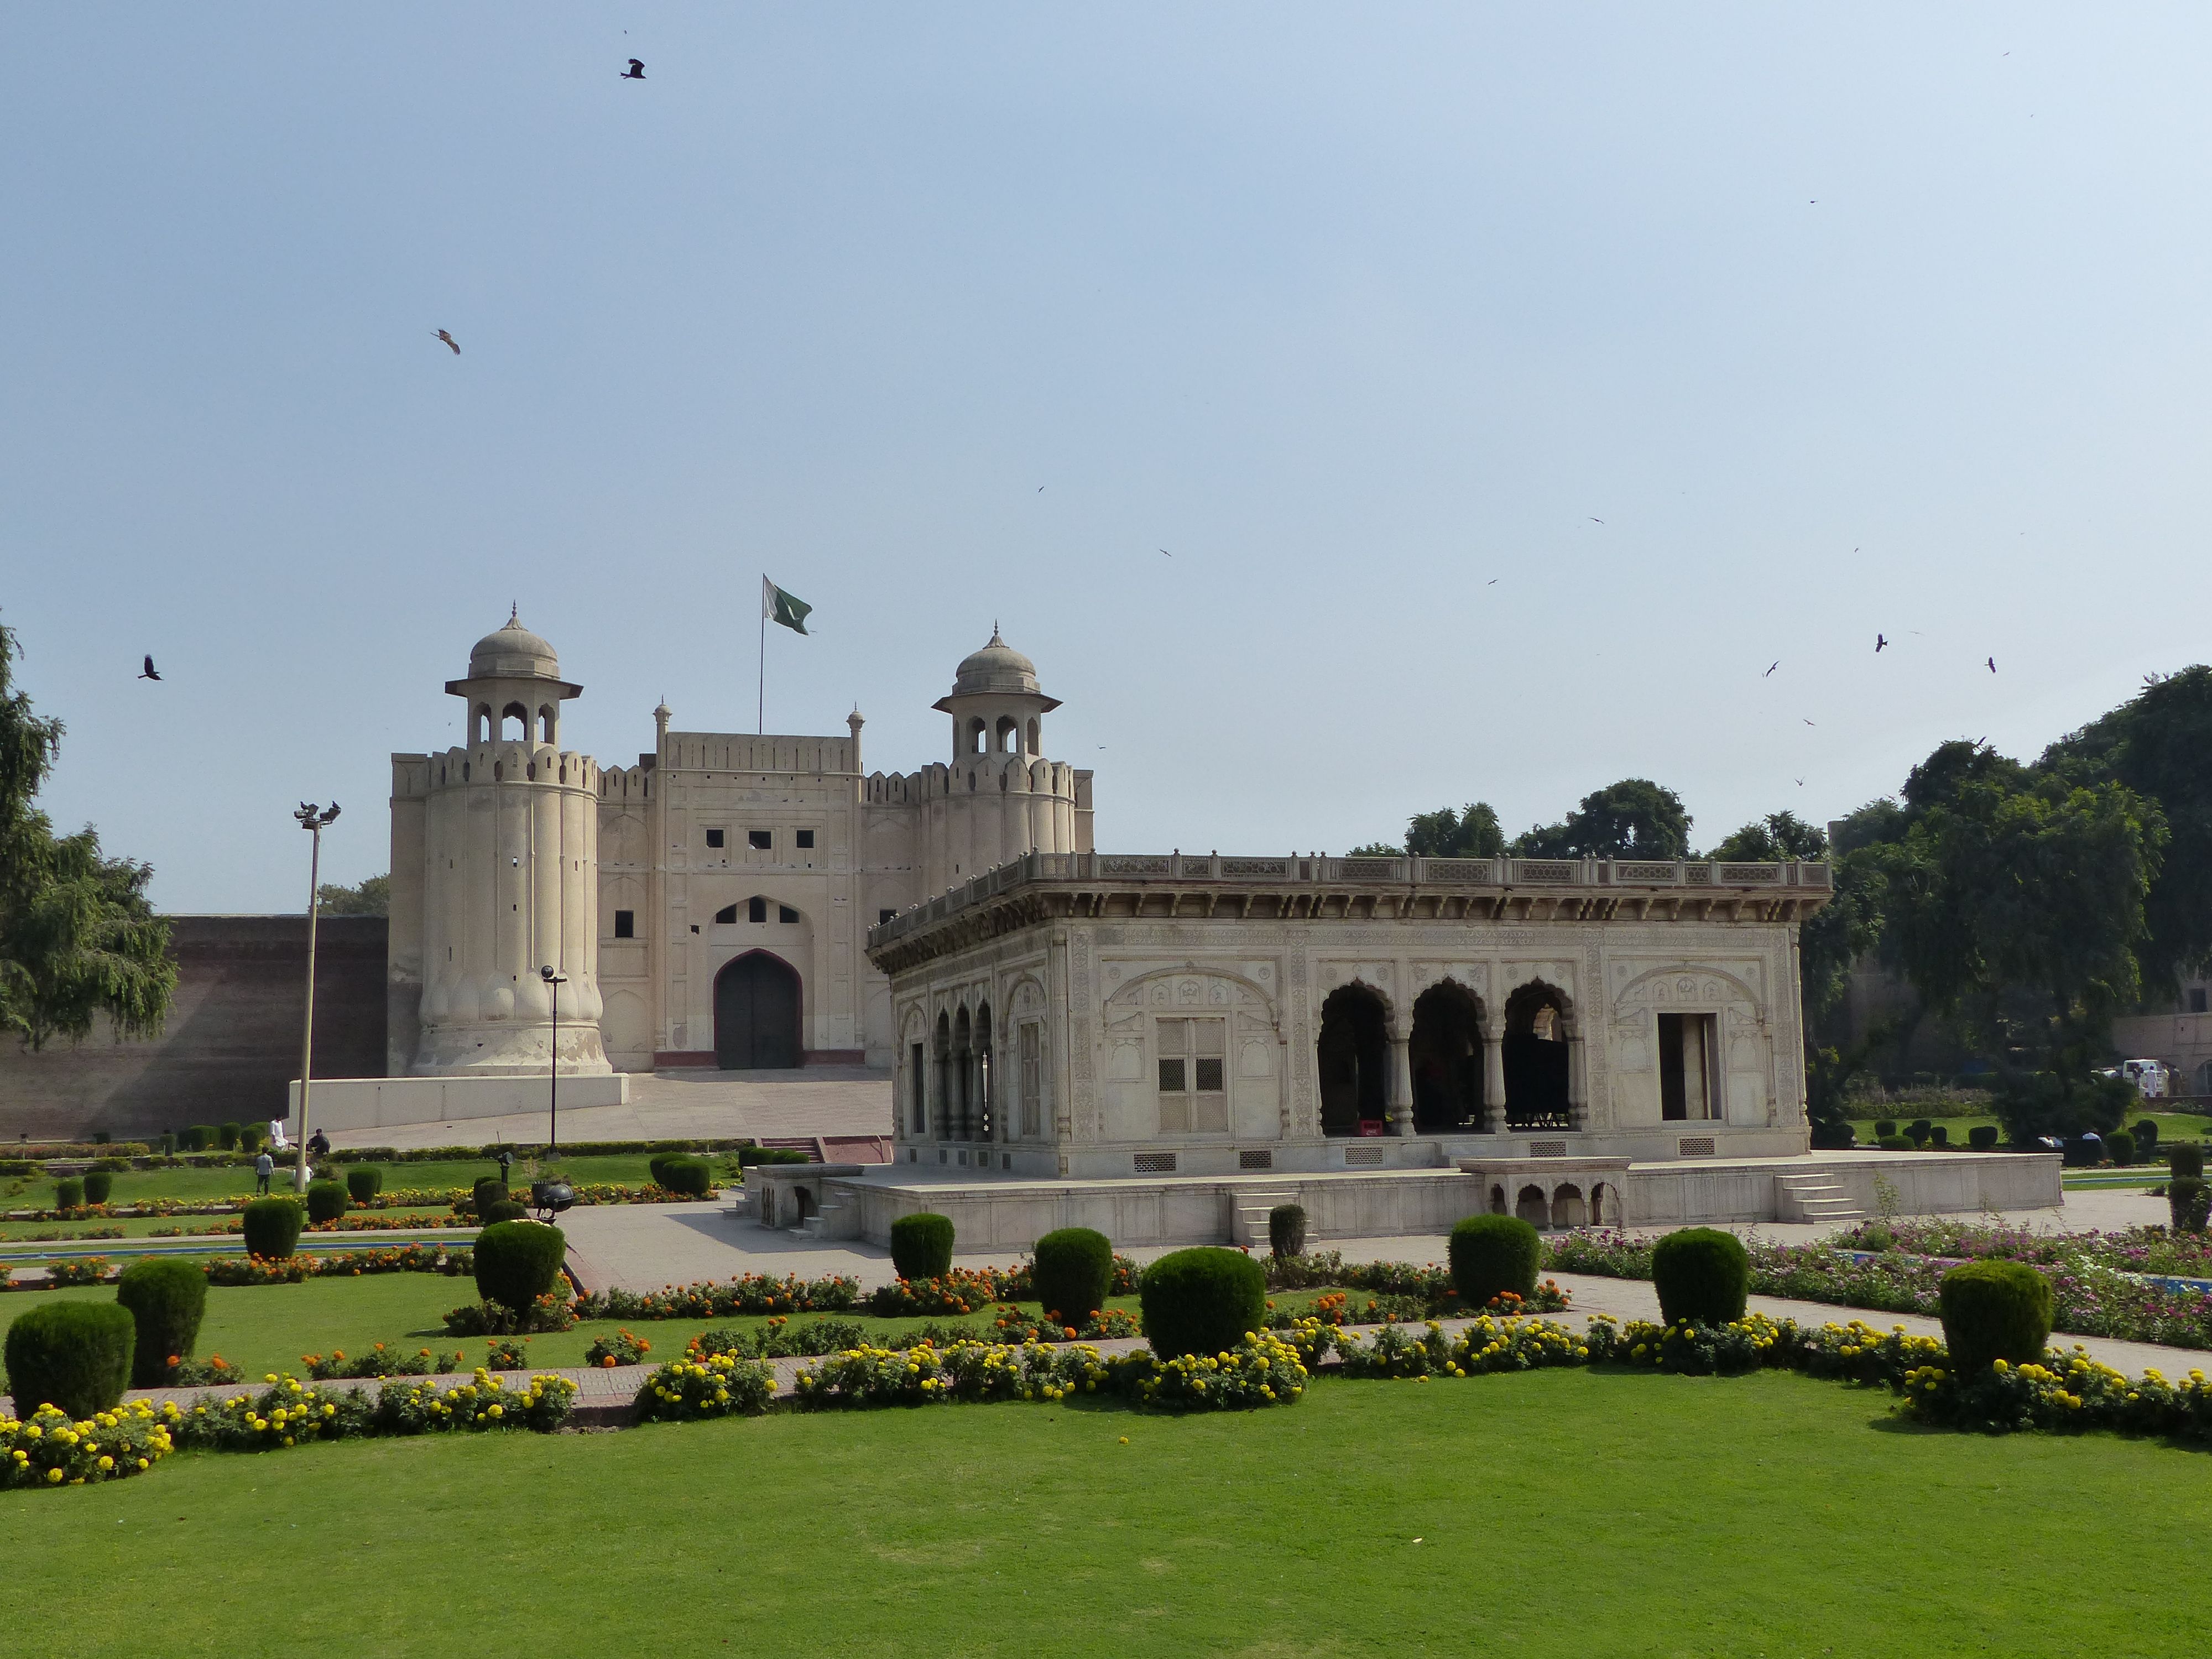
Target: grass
1557,1513
146,1226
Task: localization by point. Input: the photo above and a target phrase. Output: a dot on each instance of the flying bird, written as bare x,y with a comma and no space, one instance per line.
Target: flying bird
450,341
150,673
1993,665
1775,663
1493,582
1597,520
1170,554
635,72
1878,643
1803,718
1801,783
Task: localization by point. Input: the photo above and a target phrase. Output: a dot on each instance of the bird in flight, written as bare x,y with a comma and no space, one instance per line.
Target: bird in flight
1775,663
450,341
1801,783
1878,643
150,673
1493,582
1597,520
1170,554
635,72
1993,665
1801,717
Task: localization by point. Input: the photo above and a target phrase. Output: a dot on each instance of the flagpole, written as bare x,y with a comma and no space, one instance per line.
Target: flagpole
760,711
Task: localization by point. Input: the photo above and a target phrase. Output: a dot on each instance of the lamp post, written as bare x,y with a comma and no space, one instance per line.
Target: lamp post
312,818
554,981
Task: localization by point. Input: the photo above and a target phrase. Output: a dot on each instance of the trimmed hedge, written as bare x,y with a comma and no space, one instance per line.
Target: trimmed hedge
363,1182
1884,1127
69,1193
488,1190
98,1184
167,1298
1701,1273
518,1261
2146,1139
921,1245
1491,1256
1983,1137
1074,1271
506,1210
750,1157
2186,1159
2188,1203
327,1200
272,1227
1939,1136
1993,1310
225,1136
1202,1301
2120,1146
1286,1229
73,1355
692,1176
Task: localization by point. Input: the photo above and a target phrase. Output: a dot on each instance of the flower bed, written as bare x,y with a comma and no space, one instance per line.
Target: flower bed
968,1290
719,1299
379,1361
339,1264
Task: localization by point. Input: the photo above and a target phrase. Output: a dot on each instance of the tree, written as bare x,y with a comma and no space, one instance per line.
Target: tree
2156,745
78,937
1635,818
1775,839
372,898
1445,834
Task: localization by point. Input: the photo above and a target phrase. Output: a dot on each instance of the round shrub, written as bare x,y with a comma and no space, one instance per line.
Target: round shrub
1701,1273
76,1355
69,1193
1074,1271
1983,1137
166,1298
203,1137
2146,1139
2186,1158
505,1209
2120,1146
518,1261
488,1190
692,1176
272,1227
1286,1229
1939,1136
658,1163
921,1245
1919,1129
326,1200
225,1135
1896,1144
98,1184
1202,1301
1993,1311
250,1137
363,1182
1492,1255
1884,1127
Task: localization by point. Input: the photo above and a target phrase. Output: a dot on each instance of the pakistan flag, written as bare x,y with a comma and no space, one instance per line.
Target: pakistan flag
782,608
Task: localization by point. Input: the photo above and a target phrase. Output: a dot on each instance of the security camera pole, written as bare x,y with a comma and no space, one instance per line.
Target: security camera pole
312,819
554,981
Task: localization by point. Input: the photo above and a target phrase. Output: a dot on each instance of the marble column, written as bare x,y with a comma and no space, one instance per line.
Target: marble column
1493,1077
1402,1085
1578,1076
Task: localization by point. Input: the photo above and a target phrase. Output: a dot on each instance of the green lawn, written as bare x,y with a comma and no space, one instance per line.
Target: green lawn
195,1185
146,1226
1564,1513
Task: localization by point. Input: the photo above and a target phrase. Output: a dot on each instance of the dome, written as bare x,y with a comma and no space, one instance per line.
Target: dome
998,667
513,653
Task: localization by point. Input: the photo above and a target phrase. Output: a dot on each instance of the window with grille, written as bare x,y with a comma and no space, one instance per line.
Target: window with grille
1193,1089
1030,1050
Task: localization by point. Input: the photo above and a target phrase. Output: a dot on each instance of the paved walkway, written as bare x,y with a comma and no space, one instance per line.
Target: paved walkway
681,1105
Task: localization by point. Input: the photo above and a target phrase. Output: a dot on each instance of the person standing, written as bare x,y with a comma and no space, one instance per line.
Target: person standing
264,1167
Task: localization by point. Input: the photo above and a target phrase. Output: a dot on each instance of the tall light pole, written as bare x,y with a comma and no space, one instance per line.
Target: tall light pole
312,819
554,981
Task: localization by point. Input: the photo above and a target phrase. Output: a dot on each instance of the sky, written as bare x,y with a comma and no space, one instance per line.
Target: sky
1351,410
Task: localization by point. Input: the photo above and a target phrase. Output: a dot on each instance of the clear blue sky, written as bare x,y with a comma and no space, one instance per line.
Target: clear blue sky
1889,319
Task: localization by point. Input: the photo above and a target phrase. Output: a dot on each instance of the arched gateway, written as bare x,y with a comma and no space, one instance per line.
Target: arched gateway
756,1014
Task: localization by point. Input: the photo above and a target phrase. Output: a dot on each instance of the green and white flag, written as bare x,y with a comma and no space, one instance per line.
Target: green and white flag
780,608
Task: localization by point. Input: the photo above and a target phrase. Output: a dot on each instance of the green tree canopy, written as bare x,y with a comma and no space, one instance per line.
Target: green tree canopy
372,898
1473,833
1775,839
78,937
1635,818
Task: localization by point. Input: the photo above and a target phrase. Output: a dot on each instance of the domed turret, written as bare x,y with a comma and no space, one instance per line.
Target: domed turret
997,667
996,703
513,652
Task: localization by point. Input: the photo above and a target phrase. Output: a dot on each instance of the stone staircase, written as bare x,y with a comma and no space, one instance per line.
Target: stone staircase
1812,1198
1248,1220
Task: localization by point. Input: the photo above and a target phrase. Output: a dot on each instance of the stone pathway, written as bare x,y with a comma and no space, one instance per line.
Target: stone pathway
681,1105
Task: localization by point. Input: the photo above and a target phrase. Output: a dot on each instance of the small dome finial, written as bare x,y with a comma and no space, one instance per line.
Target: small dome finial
514,614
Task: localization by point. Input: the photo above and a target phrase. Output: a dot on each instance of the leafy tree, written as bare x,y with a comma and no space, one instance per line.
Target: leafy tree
2156,745
1776,839
1635,818
78,937
1376,849
372,898
1445,834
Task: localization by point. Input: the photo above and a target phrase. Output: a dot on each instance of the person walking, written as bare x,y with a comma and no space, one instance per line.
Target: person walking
264,1167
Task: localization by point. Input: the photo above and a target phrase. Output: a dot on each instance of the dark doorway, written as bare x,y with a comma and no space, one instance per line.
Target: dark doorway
1446,1055
756,1014
1534,1053
1353,1056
